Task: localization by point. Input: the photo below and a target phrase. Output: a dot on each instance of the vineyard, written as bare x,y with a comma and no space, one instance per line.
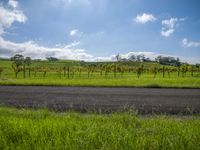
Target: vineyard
97,73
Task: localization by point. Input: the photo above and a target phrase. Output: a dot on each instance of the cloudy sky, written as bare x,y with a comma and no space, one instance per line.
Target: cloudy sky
99,29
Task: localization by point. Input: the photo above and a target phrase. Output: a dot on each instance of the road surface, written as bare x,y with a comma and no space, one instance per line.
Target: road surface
144,100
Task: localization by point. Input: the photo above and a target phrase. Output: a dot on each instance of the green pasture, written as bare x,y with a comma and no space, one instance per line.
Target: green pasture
27,129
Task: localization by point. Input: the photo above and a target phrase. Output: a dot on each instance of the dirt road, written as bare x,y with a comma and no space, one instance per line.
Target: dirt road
145,100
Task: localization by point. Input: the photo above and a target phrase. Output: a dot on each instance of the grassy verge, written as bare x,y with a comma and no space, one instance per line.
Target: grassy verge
121,82
28,129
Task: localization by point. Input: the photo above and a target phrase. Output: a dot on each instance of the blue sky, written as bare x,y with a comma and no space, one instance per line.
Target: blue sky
99,29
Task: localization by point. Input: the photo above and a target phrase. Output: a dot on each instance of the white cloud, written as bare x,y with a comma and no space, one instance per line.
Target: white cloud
75,32
186,43
9,15
73,44
167,32
32,49
13,3
144,18
70,51
170,23
169,26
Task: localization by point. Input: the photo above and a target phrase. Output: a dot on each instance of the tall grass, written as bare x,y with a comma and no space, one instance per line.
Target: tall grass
28,129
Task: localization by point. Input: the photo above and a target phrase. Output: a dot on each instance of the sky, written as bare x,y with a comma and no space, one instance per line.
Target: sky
96,30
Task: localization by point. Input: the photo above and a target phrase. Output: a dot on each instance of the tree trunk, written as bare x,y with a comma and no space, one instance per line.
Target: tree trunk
155,74
178,73
115,71
64,71
16,74
29,72
24,71
68,72
168,74
163,70
44,75
192,72
80,73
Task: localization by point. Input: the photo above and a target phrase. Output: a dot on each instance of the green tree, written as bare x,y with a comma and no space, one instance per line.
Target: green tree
18,61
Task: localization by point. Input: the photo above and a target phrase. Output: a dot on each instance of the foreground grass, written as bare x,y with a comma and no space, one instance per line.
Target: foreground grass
120,82
28,129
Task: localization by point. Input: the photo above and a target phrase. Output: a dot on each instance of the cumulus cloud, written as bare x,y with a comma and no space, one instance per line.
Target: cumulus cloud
186,43
69,51
170,23
144,18
167,32
32,49
75,32
169,26
8,15
11,13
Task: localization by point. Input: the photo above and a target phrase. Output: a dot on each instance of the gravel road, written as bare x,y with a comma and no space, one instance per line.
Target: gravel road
144,100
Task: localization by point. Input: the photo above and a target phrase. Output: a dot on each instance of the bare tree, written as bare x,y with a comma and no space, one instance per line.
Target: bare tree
118,57
132,58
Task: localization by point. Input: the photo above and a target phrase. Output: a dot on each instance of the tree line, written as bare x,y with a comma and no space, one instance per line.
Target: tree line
163,60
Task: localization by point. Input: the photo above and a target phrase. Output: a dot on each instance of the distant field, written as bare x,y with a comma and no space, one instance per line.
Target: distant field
41,129
128,79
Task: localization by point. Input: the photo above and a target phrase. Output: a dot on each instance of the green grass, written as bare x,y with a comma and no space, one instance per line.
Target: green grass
42,129
127,80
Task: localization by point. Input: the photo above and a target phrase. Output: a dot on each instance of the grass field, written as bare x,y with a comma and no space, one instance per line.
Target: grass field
42,129
127,80
122,82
